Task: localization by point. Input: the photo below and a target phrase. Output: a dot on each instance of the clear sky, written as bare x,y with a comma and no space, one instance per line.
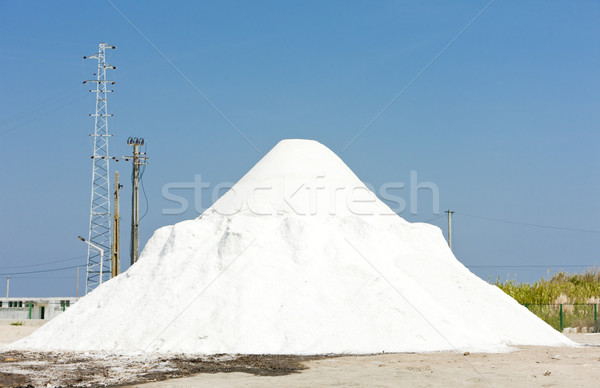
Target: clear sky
505,121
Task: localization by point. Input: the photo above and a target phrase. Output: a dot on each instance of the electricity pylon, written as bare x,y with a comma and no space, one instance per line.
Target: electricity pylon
100,212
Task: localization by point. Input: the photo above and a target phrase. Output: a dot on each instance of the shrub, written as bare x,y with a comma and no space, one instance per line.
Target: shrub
561,288
579,295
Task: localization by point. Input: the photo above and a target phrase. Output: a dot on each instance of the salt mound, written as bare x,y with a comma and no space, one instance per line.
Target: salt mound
298,258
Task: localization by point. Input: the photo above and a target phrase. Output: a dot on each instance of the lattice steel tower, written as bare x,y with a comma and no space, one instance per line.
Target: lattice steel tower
100,234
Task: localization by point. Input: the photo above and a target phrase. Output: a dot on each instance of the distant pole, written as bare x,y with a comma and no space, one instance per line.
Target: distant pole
449,212
7,285
116,244
77,286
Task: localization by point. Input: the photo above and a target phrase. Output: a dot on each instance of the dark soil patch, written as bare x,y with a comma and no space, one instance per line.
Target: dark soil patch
13,380
38,369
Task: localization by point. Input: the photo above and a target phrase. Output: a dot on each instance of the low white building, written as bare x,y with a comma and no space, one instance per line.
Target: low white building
21,309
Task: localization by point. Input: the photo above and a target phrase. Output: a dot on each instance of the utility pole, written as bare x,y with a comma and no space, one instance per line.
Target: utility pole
100,216
7,284
77,285
116,243
450,212
139,159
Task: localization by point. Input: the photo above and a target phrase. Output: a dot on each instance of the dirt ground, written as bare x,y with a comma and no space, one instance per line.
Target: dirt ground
528,366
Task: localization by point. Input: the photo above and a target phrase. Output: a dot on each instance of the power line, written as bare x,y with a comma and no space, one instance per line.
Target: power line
43,277
38,106
434,218
42,115
529,224
183,76
382,111
41,271
426,221
42,264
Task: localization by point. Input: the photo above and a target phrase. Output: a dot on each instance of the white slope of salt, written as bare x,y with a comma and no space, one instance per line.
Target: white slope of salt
308,275
301,177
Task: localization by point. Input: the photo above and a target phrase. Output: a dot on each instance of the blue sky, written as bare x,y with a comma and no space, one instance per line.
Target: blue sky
505,122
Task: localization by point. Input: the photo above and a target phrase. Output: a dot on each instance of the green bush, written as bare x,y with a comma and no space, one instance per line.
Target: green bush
561,288
579,295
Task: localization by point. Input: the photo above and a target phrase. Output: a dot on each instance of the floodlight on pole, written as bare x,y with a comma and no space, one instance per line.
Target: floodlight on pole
101,254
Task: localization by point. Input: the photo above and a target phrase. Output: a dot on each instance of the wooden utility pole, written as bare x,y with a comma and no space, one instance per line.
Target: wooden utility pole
77,286
7,285
450,212
116,244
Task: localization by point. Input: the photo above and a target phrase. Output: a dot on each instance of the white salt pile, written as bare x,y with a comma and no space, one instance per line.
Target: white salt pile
298,258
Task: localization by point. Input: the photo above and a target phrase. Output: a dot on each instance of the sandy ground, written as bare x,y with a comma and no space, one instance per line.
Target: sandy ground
526,367
10,333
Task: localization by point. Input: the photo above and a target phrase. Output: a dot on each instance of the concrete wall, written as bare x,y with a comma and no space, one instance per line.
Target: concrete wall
14,313
51,307
21,313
